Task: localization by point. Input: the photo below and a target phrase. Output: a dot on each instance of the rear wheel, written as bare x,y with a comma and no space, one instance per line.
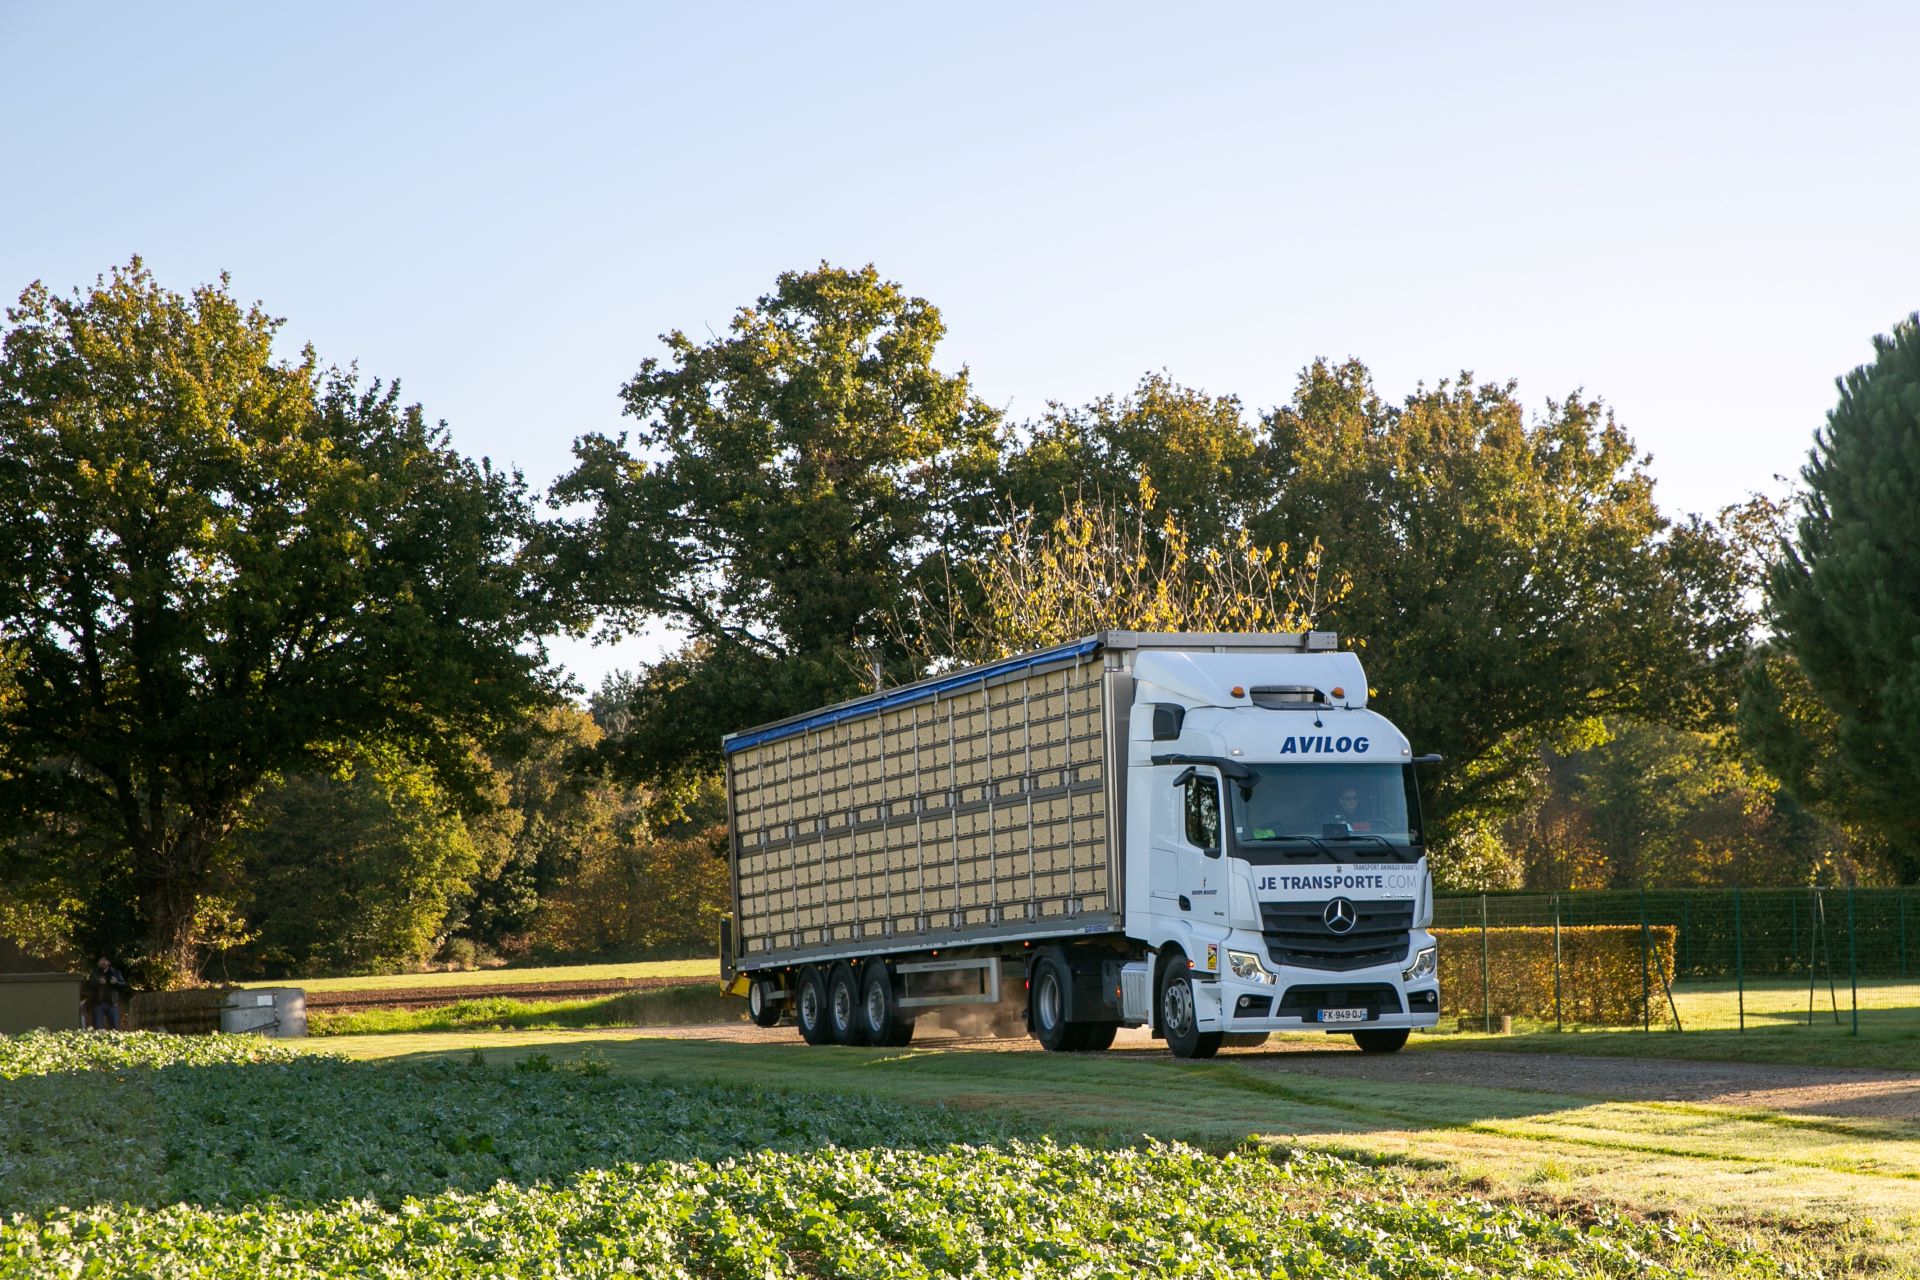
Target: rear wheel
1179,1020
882,1019
810,1010
843,1006
764,1002
1098,1036
1047,1007
1382,1040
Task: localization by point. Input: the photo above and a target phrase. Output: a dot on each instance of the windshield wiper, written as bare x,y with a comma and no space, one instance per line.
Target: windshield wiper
1389,845
1315,841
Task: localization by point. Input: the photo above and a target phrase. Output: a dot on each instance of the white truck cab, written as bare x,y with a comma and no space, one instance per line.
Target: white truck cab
1275,823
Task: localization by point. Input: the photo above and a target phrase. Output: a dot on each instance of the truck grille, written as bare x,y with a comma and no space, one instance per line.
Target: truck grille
1297,934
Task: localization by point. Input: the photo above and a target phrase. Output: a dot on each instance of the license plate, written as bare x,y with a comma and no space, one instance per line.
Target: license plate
1343,1015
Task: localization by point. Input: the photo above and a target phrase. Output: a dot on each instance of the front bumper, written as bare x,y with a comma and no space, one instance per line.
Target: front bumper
1294,1001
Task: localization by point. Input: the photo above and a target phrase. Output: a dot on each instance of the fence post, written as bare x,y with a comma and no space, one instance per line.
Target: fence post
1646,986
1558,1024
1900,899
1739,972
1486,981
1853,960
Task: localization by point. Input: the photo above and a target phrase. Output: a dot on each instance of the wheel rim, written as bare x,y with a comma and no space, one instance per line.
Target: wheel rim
1177,1007
876,1007
757,1000
842,1006
1048,1004
810,1004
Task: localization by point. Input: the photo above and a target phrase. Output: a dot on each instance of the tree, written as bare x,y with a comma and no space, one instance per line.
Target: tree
217,566
786,482
1511,581
352,872
1835,703
1094,568
1203,457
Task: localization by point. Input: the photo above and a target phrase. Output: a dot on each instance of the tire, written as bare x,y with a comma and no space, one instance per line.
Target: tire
1047,996
810,1008
1173,1002
1381,1040
764,1004
882,1021
843,1006
1098,1036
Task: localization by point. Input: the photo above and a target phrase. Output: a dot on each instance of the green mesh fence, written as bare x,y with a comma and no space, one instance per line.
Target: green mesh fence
1741,957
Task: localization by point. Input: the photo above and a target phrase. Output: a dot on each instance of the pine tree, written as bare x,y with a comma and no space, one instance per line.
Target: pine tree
1845,597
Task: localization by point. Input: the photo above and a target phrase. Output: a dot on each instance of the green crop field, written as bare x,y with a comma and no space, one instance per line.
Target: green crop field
147,1156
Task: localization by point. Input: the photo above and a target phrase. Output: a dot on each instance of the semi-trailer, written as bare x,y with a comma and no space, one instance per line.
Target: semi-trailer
1205,834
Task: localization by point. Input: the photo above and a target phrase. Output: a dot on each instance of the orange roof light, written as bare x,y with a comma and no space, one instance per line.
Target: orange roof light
1238,692
1338,692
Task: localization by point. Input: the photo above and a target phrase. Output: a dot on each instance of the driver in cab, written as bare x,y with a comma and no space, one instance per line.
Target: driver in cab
1346,807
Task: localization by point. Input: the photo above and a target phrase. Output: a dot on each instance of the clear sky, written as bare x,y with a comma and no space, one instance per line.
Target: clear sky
1700,213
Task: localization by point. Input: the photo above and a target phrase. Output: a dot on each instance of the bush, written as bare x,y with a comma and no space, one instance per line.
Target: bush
1601,977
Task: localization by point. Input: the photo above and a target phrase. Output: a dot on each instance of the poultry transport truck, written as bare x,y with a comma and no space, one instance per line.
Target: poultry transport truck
1208,835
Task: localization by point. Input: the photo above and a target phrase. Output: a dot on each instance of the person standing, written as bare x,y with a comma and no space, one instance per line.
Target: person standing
102,992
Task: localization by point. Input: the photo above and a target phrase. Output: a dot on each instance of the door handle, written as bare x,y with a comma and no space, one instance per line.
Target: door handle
1184,904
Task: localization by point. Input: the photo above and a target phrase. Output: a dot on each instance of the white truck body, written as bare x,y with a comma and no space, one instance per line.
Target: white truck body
1219,814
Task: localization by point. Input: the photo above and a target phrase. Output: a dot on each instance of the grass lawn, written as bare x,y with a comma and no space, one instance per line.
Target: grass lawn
1844,1193
707,968
668,1006
1777,1029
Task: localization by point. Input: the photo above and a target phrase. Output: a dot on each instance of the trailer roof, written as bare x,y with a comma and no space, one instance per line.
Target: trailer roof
934,686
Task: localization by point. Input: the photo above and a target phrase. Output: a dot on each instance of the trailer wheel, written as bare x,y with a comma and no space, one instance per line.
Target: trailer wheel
1098,1036
1047,1007
811,1010
1381,1039
1177,1015
843,1006
763,1003
881,1017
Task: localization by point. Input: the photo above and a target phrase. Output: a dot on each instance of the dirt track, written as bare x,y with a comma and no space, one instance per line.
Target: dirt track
1829,1091
426,997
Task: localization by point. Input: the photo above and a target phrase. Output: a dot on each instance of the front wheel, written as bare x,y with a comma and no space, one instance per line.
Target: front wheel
1179,1020
763,1003
1383,1040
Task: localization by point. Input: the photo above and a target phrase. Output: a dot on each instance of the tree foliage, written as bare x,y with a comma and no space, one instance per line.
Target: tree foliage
1512,580
216,565
1203,457
1834,703
783,486
1094,567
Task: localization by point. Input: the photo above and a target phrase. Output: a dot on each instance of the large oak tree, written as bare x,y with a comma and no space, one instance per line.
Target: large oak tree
783,486
217,565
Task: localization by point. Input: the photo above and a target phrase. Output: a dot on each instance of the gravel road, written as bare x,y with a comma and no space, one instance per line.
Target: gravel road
1829,1091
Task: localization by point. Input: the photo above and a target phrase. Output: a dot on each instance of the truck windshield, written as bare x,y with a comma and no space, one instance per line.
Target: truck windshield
1346,807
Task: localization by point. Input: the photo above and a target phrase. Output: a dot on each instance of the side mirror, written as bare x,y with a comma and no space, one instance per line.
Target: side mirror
1167,719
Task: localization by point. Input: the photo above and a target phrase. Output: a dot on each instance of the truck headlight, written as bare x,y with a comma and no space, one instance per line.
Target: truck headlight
1423,965
1247,967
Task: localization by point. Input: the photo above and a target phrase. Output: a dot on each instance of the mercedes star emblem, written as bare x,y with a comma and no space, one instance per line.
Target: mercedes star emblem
1340,916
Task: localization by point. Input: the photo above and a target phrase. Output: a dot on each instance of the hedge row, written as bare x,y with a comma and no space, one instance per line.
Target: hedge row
1602,980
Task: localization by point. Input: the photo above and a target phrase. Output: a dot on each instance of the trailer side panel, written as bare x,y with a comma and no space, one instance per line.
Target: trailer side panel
977,811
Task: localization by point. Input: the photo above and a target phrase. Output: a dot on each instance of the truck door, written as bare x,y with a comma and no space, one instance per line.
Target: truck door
1189,873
